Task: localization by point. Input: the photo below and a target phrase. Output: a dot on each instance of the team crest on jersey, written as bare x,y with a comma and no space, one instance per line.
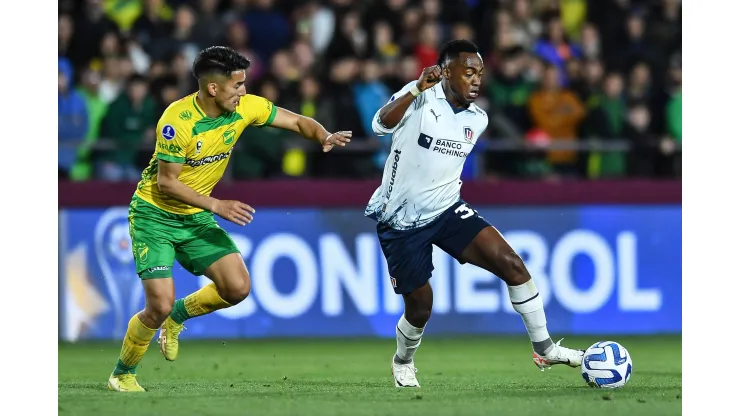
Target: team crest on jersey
229,136
198,146
186,115
468,132
168,132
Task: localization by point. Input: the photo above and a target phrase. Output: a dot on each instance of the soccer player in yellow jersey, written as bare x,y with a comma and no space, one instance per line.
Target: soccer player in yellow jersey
171,212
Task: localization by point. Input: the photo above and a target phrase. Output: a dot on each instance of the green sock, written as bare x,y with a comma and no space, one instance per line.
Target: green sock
179,314
201,302
121,368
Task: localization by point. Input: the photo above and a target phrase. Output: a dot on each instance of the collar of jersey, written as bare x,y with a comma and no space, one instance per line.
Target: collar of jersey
440,94
197,108
203,114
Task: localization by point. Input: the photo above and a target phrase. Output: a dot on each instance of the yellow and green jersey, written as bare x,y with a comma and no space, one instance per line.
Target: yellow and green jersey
201,143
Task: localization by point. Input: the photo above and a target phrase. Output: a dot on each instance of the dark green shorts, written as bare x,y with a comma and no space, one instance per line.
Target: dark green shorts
159,237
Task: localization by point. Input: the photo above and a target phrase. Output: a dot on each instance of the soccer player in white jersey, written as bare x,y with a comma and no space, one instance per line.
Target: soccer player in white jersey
435,125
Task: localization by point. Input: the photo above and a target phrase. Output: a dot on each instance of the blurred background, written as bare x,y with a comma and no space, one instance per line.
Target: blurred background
574,88
580,167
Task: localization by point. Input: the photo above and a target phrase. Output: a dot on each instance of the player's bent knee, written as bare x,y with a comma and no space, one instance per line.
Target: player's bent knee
237,292
418,306
158,310
419,316
242,292
515,271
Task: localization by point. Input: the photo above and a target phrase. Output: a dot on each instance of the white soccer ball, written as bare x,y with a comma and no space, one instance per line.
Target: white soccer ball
606,365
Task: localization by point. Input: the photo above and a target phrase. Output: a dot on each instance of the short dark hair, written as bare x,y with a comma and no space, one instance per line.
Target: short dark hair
220,60
452,49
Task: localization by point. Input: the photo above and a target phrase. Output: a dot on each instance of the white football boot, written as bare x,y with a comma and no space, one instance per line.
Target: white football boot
404,375
558,355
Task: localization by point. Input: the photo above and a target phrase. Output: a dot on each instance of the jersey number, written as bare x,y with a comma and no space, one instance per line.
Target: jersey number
465,210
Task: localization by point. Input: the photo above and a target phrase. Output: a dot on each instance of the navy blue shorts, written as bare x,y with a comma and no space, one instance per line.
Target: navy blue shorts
409,252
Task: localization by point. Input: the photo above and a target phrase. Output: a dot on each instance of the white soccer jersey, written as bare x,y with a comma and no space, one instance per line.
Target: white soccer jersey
421,178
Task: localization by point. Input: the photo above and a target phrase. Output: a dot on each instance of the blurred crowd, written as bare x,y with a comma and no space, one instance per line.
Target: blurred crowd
568,71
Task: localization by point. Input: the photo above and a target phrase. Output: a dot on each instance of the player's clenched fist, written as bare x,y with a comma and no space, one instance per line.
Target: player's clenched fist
429,77
234,211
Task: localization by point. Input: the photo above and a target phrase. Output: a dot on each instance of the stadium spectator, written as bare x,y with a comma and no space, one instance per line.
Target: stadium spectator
208,28
526,29
310,102
408,35
66,31
558,112
90,24
341,78
237,37
317,24
607,122
426,50
664,26
673,109
153,27
371,94
73,118
269,29
672,141
303,56
639,86
183,38
509,90
644,159
129,122
350,40
636,48
111,83
259,151
556,48
385,48
96,109
285,70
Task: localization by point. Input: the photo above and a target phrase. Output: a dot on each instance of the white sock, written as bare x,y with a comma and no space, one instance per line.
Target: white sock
527,301
408,338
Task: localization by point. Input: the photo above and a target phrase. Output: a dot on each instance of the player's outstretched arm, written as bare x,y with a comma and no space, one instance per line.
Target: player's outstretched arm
392,113
310,129
168,181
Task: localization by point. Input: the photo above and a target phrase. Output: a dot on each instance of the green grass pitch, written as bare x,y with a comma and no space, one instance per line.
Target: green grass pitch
459,376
